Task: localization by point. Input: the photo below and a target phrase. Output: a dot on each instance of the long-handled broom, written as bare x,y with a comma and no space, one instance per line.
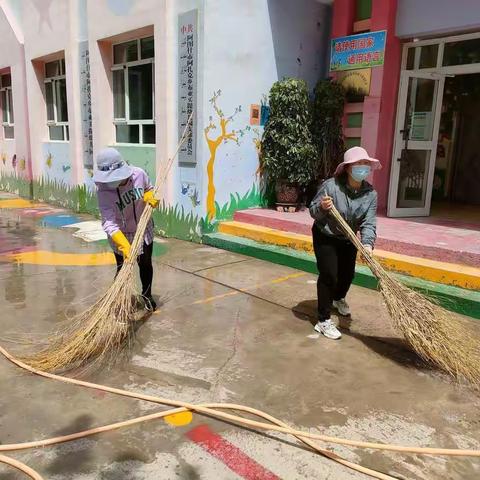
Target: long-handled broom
435,334
104,329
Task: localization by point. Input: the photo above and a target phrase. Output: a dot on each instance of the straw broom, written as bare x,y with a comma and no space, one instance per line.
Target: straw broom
435,334
103,330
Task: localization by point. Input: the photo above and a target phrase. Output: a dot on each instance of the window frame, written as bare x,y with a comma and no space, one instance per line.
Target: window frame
52,81
439,68
7,107
125,66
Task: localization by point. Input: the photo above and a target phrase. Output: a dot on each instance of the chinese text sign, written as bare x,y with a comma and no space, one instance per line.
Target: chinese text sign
187,83
358,51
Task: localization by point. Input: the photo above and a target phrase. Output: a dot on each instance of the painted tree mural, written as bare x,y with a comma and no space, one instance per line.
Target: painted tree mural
214,143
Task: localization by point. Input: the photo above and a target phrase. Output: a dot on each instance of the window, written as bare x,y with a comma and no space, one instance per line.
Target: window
133,91
422,57
462,53
56,100
7,105
363,10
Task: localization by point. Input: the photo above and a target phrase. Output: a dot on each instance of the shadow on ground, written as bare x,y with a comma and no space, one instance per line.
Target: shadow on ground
394,349
70,462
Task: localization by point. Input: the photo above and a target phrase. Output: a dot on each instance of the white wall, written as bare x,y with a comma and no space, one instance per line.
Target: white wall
52,27
46,26
417,18
300,31
12,57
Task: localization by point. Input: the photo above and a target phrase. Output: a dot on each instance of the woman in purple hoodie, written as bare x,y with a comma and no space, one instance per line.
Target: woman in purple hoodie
123,191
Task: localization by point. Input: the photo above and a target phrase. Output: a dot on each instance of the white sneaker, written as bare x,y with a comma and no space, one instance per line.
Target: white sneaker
328,328
342,307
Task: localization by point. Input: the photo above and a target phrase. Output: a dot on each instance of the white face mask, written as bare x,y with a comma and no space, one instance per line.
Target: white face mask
114,184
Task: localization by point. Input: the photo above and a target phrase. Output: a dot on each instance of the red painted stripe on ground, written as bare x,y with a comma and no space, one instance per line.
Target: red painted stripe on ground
229,454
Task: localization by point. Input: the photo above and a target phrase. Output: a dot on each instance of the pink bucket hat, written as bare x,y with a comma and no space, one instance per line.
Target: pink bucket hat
354,155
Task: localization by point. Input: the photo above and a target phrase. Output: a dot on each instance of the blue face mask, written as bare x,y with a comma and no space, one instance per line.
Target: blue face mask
360,172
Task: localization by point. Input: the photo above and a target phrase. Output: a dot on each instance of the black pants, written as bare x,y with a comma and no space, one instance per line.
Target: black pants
146,268
336,269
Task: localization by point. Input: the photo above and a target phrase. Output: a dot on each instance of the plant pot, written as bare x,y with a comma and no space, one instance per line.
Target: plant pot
287,194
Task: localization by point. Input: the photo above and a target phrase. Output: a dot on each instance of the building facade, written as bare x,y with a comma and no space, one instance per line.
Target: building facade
419,110
79,75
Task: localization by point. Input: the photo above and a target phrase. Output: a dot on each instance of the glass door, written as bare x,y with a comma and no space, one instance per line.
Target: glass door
414,152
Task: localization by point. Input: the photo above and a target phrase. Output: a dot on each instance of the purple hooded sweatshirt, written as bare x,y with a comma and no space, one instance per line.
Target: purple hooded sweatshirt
122,207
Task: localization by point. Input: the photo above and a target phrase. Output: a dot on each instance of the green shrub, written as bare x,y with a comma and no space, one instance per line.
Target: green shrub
287,151
327,131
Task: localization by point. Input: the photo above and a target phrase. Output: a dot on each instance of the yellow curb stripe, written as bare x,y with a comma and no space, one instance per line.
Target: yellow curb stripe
16,203
267,235
43,257
435,271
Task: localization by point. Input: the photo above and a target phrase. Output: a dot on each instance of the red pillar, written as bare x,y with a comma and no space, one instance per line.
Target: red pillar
343,17
381,105
342,25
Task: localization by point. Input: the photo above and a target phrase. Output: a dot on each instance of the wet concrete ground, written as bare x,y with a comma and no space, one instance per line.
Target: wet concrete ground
231,329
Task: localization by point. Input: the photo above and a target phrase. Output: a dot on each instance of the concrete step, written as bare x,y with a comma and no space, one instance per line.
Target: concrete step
443,239
432,270
455,299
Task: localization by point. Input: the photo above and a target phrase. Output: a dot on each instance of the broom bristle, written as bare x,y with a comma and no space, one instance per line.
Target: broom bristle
98,333
436,335
102,331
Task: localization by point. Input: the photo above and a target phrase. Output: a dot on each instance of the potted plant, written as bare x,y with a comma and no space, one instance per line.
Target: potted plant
287,149
327,130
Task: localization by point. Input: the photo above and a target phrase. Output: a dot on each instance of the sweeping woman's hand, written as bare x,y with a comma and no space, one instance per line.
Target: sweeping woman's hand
369,249
149,197
326,203
122,244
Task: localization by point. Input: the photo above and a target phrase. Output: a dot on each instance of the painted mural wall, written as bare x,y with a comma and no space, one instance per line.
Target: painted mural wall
247,52
243,47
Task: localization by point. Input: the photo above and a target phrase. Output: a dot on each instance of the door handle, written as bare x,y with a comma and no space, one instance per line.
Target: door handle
405,133
403,156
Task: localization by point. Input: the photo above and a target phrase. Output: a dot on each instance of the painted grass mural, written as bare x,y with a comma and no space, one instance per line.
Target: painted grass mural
170,221
15,184
175,222
77,198
253,198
